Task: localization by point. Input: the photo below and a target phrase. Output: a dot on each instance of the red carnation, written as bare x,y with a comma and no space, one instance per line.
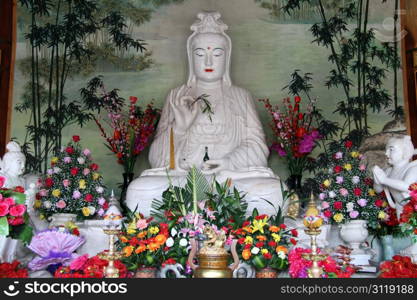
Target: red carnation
94,167
348,144
19,189
261,217
259,244
357,191
75,231
88,197
327,213
268,255
247,246
338,205
76,138
246,223
106,205
69,150
74,171
49,182
241,241
294,232
379,202
337,169
283,226
293,241
272,244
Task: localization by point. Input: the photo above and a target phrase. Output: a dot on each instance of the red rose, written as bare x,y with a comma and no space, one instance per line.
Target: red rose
19,189
337,169
368,181
49,182
357,191
69,150
283,226
293,241
379,202
88,197
297,99
133,99
106,205
272,244
327,213
294,232
259,244
16,221
75,231
241,241
76,138
338,205
268,255
94,167
248,246
74,171
348,144
261,217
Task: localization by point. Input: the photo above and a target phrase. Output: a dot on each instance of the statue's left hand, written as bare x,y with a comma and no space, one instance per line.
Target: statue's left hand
216,165
379,175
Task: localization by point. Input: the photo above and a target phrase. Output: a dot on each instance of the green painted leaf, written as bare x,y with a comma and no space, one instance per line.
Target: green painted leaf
4,226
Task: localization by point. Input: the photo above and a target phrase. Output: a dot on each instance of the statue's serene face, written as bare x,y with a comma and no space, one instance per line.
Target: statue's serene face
394,153
15,167
209,57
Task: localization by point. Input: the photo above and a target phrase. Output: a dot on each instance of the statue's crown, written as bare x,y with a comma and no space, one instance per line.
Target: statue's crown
209,23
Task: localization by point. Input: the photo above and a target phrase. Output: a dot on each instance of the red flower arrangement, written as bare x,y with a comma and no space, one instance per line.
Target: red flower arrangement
295,136
84,267
408,217
12,270
130,132
398,267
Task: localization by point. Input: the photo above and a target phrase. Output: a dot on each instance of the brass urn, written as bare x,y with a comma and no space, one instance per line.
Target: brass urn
213,257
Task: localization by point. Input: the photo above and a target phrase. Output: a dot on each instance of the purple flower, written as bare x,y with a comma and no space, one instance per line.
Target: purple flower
339,179
76,194
100,212
362,202
279,149
354,214
338,155
322,196
67,159
306,144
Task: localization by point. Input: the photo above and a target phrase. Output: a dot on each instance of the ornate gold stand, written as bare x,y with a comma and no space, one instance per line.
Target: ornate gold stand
111,271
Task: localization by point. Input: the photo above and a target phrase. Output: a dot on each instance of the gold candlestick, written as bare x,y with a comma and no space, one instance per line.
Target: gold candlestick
111,271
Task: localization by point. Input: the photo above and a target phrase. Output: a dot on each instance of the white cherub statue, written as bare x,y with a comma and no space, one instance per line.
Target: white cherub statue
396,180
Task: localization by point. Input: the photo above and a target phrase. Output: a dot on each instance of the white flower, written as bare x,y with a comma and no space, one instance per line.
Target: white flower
80,160
282,255
183,242
355,179
92,210
349,206
174,232
332,194
170,242
47,204
255,250
99,189
57,170
61,229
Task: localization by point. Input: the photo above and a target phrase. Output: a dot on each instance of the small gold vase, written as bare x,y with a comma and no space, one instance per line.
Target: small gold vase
213,266
267,273
146,272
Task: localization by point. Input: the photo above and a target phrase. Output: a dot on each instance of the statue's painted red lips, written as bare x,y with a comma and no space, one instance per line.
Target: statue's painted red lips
209,70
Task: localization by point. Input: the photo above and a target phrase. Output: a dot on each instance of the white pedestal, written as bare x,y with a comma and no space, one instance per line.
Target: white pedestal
96,240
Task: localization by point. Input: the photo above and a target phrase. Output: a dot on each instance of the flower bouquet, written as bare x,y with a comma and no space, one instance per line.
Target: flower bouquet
84,267
13,270
299,266
295,136
264,242
408,217
347,192
72,185
398,267
14,219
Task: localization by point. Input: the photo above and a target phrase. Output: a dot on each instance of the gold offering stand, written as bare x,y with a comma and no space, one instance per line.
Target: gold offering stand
313,222
111,271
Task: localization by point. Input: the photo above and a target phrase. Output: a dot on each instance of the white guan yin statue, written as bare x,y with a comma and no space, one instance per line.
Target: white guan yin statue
12,167
232,135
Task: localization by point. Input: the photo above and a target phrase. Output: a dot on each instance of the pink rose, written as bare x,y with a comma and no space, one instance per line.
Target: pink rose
2,181
10,201
86,152
362,202
344,192
67,159
86,171
43,193
17,210
79,262
61,204
1,197
76,194
66,182
322,196
4,209
338,155
362,167
100,212
141,224
16,221
339,179
324,205
354,214
101,201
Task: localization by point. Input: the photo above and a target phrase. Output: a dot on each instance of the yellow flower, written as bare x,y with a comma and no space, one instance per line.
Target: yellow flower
326,183
81,184
348,167
259,225
42,217
54,160
127,251
96,176
385,204
338,217
248,240
276,237
70,225
263,251
38,204
56,193
154,230
85,211
371,192
274,228
131,228
381,215
354,154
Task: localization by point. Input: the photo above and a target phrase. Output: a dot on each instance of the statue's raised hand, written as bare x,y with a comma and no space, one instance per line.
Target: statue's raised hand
379,175
185,110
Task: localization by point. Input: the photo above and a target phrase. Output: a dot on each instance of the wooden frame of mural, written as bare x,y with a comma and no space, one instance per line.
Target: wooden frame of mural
7,57
409,63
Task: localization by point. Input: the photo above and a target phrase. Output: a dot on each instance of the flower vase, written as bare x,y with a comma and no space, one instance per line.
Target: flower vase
294,182
355,233
146,272
127,179
266,273
57,220
294,185
387,247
